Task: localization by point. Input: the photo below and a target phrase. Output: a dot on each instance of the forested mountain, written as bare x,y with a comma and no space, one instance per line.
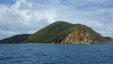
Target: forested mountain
67,33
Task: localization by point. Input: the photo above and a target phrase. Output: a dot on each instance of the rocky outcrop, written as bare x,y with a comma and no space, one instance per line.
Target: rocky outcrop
82,36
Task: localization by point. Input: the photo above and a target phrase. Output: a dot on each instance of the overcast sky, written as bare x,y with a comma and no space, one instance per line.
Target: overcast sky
28,16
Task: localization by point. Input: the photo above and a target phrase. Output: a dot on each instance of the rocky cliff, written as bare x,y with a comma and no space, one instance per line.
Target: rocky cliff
82,36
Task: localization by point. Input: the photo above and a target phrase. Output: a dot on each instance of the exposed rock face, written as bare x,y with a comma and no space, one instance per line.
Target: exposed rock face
77,38
82,36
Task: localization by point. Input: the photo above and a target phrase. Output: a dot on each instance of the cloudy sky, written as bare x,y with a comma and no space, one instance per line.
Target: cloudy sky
28,16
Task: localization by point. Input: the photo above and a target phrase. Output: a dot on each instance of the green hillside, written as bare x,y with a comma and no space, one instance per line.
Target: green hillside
64,32
52,33
15,39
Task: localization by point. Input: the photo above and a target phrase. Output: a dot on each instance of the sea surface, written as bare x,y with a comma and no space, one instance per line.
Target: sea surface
56,54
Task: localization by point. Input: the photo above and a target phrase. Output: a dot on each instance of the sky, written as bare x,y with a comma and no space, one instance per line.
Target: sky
29,16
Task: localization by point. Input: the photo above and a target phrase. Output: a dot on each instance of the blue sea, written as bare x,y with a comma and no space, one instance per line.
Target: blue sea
56,54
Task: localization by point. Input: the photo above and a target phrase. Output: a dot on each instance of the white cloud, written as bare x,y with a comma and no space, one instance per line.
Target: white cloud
28,16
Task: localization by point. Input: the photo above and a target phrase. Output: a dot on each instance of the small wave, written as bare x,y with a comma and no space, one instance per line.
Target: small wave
5,58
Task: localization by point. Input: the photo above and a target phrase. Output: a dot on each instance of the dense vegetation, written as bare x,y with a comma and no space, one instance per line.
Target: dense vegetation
58,31
52,33
15,39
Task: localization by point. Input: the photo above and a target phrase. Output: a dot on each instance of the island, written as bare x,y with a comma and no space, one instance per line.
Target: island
62,32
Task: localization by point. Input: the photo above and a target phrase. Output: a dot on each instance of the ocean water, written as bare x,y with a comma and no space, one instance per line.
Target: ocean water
56,54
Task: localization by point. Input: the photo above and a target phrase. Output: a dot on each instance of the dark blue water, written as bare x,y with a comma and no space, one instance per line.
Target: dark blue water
56,54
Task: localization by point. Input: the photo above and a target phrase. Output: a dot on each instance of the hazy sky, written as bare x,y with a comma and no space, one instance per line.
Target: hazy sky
28,16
